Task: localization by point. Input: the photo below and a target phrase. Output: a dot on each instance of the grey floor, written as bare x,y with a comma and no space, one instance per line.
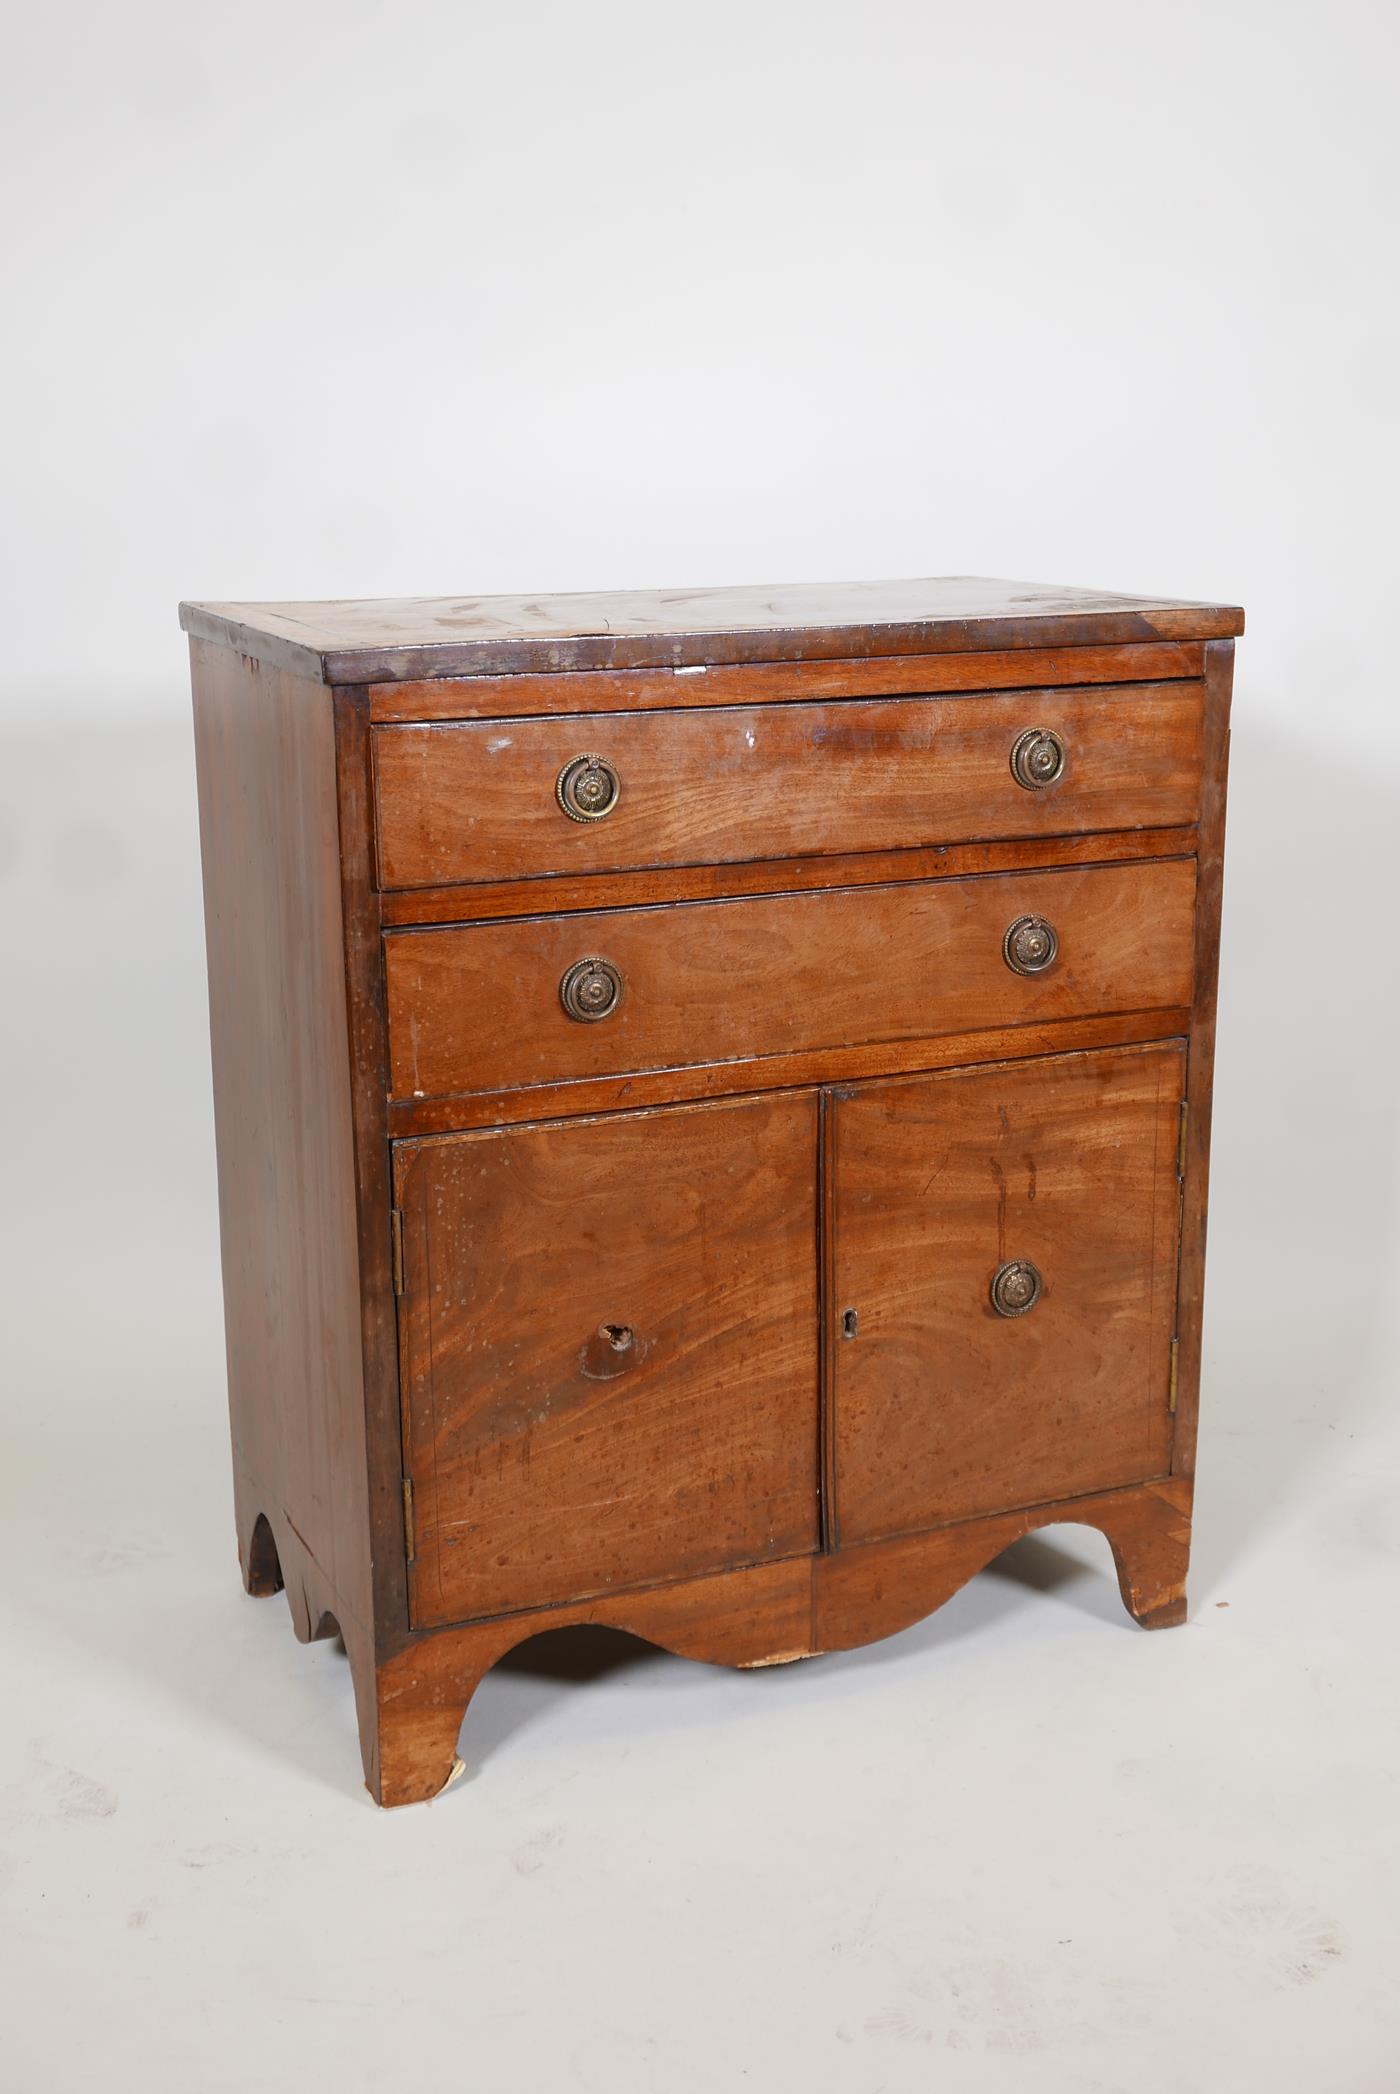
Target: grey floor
1022,1846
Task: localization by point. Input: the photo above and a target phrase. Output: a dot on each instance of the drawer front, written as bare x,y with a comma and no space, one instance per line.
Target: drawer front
1004,1259
486,800
481,1007
609,1337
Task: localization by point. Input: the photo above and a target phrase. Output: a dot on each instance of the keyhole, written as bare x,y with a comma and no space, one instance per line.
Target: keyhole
850,1323
618,1335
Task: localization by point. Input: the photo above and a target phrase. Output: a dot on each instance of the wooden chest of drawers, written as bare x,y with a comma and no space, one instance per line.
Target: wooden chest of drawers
712,1097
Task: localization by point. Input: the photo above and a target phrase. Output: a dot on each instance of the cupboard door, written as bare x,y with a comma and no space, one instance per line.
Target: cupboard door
609,1338
1003,1260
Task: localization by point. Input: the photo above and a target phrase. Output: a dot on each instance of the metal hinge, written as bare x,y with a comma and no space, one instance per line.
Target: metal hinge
1171,1385
1181,1142
396,1247
410,1549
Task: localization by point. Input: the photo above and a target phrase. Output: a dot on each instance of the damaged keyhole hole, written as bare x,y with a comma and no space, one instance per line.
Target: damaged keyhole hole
613,1349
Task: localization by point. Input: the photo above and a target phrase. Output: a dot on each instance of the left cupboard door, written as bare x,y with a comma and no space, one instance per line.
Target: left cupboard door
609,1351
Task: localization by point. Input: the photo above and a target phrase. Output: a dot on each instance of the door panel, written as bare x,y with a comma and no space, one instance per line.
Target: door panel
943,1407
609,1335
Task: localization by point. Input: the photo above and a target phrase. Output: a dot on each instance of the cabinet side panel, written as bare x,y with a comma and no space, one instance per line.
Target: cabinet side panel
265,760
1220,671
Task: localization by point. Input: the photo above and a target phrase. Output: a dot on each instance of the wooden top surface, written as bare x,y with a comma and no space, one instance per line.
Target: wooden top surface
393,640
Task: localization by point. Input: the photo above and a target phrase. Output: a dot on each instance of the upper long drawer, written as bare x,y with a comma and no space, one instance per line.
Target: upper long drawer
498,800
548,999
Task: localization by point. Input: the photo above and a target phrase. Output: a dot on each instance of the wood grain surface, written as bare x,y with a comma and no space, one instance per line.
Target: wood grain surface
552,894
780,1072
533,1321
476,801
478,1008
604,691
942,1407
772,1613
368,1047
266,769
1220,666
609,1352
391,640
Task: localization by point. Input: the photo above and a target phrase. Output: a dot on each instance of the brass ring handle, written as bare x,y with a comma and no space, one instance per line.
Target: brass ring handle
1030,945
592,989
1016,1287
588,788
1037,759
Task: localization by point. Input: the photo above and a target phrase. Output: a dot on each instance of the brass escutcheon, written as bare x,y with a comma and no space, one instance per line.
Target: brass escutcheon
1037,759
587,788
592,989
1030,945
1016,1287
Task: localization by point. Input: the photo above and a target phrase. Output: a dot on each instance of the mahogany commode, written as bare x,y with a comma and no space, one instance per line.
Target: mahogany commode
712,1095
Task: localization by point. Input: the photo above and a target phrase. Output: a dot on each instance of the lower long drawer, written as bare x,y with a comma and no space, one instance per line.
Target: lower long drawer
482,1007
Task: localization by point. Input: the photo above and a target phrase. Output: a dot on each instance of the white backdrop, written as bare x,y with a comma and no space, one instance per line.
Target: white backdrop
373,299
312,300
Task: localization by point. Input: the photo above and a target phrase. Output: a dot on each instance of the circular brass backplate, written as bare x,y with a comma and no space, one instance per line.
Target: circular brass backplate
1030,945
1016,1287
587,788
1037,759
592,989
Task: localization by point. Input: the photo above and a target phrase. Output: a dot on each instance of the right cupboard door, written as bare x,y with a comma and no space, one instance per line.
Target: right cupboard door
1002,1286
